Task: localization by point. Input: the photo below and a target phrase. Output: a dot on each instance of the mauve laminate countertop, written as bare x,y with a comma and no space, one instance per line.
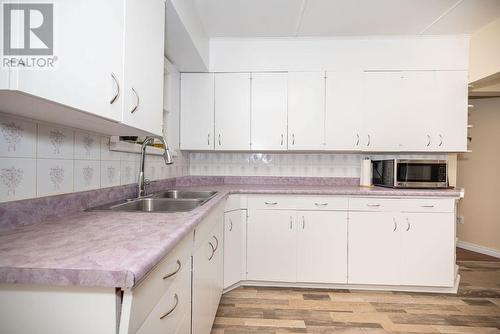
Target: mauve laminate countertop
117,249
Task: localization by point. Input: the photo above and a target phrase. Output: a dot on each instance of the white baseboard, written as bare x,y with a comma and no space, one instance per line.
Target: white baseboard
478,249
427,289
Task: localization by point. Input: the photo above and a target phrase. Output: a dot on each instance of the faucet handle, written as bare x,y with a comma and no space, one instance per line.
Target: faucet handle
147,182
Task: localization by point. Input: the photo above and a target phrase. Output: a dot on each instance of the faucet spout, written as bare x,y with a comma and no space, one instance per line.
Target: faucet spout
167,156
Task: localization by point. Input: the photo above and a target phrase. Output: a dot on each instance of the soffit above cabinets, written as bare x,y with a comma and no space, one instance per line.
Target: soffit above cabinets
324,18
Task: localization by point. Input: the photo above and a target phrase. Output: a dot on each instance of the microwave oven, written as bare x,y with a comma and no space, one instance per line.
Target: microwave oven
410,173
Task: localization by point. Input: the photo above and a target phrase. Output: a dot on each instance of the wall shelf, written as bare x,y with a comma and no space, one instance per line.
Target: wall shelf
121,146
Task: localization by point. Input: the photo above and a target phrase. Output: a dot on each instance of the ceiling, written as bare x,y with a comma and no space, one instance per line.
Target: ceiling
323,18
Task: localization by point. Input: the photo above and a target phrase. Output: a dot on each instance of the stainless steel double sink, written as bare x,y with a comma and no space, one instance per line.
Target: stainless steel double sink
163,201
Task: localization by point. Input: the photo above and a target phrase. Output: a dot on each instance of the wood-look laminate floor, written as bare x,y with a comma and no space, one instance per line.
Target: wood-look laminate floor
475,309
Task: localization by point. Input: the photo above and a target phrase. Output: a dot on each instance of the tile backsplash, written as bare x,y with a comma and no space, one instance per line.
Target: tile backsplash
275,164
39,159
287,164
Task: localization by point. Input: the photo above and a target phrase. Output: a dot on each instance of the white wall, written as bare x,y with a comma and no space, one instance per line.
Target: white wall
302,54
186,43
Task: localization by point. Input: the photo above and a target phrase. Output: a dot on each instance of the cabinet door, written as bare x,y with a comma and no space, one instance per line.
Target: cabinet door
234,247
322,247
144,58
374,248
450,119
306,110
343,119
88,54
428,249
203,287
197,111
271,245
418,108
269,111
232,111
383,102
217,268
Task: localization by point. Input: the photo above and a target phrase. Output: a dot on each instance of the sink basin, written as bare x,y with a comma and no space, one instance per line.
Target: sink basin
152,205
184,194
163,201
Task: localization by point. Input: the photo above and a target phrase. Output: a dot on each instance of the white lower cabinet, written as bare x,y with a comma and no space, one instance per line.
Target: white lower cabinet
322,247
271,245
402,248
297,246
427,249
173,310
373,248
234,247
207,273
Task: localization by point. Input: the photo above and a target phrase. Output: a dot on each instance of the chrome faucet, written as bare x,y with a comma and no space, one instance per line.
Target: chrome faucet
141,185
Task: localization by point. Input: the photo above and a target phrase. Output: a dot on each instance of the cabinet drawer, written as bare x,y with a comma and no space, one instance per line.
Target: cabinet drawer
172,310
402,204
428,205
272,202
149,291
374,204
322,203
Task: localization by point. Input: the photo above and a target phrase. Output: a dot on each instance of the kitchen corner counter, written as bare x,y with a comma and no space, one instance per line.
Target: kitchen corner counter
117,249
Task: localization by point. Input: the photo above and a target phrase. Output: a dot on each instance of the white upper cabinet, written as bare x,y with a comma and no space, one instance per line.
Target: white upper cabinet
449,125
88,73
143,88
382,104
197,111
269,111
343,110
111,68
232,111
306,110
373,111
415,111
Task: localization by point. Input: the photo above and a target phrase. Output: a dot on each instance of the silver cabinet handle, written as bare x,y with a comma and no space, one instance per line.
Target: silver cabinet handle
282,140
408,225
117,93
373,205
176,298
428,140
293,139
217,242
357,139
303,222
395,224
321,204
441,140
230,225
291,222
179,265
219,140
213,251
427,206
369,140
137,101
208,139
270,203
